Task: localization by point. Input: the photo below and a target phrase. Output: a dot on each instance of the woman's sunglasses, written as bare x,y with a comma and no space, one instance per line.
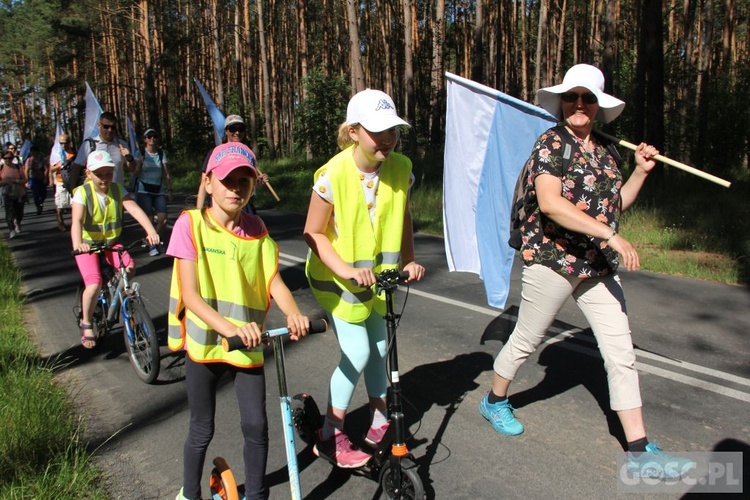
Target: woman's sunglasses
587,98
234,129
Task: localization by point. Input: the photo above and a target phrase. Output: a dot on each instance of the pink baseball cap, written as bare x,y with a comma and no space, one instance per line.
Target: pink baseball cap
227,157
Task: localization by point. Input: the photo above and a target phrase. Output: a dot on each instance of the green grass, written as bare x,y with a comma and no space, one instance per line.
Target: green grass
682,225
41,452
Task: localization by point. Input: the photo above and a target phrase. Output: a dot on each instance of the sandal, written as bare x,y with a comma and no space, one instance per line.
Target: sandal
90,339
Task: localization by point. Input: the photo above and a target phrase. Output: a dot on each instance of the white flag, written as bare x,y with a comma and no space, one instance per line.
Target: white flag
488,137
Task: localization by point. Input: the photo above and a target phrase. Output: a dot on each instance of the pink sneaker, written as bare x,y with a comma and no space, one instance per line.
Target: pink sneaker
339,450
375,436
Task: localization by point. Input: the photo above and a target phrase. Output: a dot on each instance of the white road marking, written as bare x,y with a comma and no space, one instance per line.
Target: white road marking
559,336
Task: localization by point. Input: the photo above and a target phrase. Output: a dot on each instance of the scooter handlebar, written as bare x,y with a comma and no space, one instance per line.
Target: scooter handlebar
234,343
388,276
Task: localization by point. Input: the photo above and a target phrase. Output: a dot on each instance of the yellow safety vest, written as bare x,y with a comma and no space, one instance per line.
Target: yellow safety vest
102,226
234,278
358,241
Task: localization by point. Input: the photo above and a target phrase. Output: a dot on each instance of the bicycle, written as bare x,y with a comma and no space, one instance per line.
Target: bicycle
392,465
221,480
121,295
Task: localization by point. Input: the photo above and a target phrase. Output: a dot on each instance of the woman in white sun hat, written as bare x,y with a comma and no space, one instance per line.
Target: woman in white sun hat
571,247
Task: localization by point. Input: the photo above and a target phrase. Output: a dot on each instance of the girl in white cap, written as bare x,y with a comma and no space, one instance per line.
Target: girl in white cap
359,224
96,217
571,247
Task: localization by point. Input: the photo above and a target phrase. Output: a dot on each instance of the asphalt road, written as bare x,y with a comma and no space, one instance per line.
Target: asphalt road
693,357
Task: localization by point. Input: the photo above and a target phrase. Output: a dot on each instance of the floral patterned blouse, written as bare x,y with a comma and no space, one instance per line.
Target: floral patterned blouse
592,182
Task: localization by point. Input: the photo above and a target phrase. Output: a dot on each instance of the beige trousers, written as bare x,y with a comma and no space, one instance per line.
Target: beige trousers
603,303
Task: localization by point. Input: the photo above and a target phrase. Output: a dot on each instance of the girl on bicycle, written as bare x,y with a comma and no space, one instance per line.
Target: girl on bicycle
359,224
225,274
96,217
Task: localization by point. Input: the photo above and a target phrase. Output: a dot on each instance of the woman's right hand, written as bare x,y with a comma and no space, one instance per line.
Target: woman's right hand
364,277
250,334
628,254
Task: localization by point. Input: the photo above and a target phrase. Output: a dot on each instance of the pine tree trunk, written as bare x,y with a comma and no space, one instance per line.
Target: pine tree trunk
267,110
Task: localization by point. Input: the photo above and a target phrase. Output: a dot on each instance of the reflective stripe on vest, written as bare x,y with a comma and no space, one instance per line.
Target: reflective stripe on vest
234,275
102,225
359,242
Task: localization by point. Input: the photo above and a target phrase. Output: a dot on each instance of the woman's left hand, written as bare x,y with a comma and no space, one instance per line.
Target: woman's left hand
416,271
644,157
628,254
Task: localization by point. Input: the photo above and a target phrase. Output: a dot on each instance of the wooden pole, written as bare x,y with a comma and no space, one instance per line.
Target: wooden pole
669,161
268,185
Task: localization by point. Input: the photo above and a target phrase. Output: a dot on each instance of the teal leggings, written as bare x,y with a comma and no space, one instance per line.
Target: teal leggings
362,350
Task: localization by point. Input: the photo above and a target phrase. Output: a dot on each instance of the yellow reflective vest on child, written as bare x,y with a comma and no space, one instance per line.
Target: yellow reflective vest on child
358,241
234,278
102,224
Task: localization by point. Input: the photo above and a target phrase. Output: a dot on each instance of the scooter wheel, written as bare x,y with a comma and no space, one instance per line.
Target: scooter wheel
306,417
408,488
222,483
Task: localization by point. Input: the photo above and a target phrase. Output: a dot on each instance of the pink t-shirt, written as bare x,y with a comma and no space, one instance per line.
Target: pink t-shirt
182,246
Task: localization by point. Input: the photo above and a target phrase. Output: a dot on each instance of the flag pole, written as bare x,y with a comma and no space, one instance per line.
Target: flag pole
669,161
268,185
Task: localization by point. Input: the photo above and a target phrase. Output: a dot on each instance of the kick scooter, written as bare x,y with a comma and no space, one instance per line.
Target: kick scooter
391,464
221,476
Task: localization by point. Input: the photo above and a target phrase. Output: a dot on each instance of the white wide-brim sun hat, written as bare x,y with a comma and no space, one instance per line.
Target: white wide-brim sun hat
588,77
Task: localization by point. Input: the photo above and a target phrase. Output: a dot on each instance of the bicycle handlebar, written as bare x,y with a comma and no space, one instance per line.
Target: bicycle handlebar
233,343
101,247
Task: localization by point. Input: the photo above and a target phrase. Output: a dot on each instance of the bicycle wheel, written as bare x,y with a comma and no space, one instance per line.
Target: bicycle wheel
410,487
143,347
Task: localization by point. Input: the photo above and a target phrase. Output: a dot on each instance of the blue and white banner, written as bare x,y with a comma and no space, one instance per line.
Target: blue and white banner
217,117
25,150
91,123
488,138
57,153
133,140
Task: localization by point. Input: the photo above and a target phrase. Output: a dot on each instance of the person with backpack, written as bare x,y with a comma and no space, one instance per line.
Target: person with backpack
57,169
108,141
13,184
153,183
571,247
38,175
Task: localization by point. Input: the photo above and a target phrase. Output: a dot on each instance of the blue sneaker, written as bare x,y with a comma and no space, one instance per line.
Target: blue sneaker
500,415
655,463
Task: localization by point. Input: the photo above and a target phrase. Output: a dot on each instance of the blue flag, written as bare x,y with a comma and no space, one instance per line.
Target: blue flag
217,117
488,138
132,140
25,149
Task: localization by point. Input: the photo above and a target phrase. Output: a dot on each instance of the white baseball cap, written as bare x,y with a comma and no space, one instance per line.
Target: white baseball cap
374,110
98,159
588,77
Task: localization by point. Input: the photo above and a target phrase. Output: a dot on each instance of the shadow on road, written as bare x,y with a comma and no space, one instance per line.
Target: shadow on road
444,384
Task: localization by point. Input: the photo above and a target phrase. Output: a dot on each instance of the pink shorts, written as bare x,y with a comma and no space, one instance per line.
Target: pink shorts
88,265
